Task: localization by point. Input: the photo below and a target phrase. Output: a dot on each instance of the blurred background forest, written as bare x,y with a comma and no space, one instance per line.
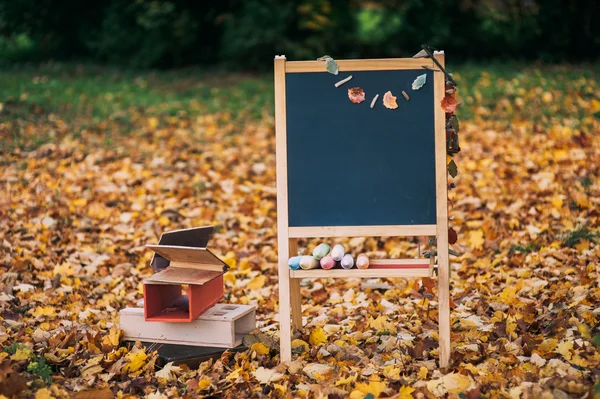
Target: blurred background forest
245,34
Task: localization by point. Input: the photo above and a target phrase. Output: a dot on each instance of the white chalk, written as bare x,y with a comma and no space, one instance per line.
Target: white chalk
347,261
337,253
374,100
341,82
308,262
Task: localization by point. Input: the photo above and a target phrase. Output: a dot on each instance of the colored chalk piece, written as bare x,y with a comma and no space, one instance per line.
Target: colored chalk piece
362,261
327,262
337,253
321,251
308,262
347,261
294,262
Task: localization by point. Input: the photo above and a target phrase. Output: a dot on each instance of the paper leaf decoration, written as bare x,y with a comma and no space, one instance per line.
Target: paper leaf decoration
421,54
452,236
356,95
419,82
331,66
452,168
449,103
389,101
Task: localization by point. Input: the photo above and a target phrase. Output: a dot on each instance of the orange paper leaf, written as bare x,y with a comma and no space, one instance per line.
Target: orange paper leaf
449,103
356,95
389,101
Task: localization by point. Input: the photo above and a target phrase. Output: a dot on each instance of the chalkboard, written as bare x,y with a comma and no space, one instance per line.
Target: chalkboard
352,165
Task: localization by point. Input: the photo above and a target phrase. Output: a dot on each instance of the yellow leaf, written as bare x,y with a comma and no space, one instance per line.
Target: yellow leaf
280,388
343,381
548,345
164,221
450,383
374,387
137,360
583,245
356,394
511,327
44,311
423,373
392,372
203,384
231,260
476,239
378,323
44,393
565,348
584,330
260,348
258,282
112,338
405,393
317,336
230,278
557,203
298,342
22,353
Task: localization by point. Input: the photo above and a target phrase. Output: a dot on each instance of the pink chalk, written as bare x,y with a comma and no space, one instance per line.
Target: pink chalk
327,262
362,261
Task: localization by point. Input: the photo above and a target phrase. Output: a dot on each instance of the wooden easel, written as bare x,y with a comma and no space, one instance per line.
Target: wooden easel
289,280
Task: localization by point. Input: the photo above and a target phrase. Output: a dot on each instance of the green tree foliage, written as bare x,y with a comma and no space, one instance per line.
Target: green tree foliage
247,33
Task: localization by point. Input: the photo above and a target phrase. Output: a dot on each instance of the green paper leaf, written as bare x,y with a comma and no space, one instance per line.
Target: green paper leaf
419,82
452,168
331,66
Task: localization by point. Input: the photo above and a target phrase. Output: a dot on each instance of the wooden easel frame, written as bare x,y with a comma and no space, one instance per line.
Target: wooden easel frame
289,280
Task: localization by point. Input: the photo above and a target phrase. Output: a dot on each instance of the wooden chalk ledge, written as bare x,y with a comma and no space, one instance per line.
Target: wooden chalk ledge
377,268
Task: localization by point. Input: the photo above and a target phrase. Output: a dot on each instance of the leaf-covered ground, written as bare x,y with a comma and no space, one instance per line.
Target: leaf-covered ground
97,163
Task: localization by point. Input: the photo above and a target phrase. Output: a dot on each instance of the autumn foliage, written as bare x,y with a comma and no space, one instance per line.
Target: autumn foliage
76,210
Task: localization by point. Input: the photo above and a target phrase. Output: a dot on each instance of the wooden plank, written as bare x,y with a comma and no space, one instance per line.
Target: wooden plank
206,330
296,299
285,337
361,65
362,231
186,254
176,275
442,218
372,272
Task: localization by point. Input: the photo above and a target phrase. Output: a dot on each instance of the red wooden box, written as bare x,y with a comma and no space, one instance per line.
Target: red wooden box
190,284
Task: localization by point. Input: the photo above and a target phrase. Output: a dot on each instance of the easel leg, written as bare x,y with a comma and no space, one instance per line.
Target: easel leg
296,303
295,290
285,338
444,299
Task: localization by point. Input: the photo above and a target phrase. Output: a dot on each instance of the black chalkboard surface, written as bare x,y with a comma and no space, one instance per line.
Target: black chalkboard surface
350,165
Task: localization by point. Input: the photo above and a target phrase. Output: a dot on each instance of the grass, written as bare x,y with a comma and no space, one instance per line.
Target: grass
83,96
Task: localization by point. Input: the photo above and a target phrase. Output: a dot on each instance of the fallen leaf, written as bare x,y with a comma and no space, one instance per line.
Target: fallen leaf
264,376
260,348
449,383
258,282
98,393
168,372
476,239
204,384
317,336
